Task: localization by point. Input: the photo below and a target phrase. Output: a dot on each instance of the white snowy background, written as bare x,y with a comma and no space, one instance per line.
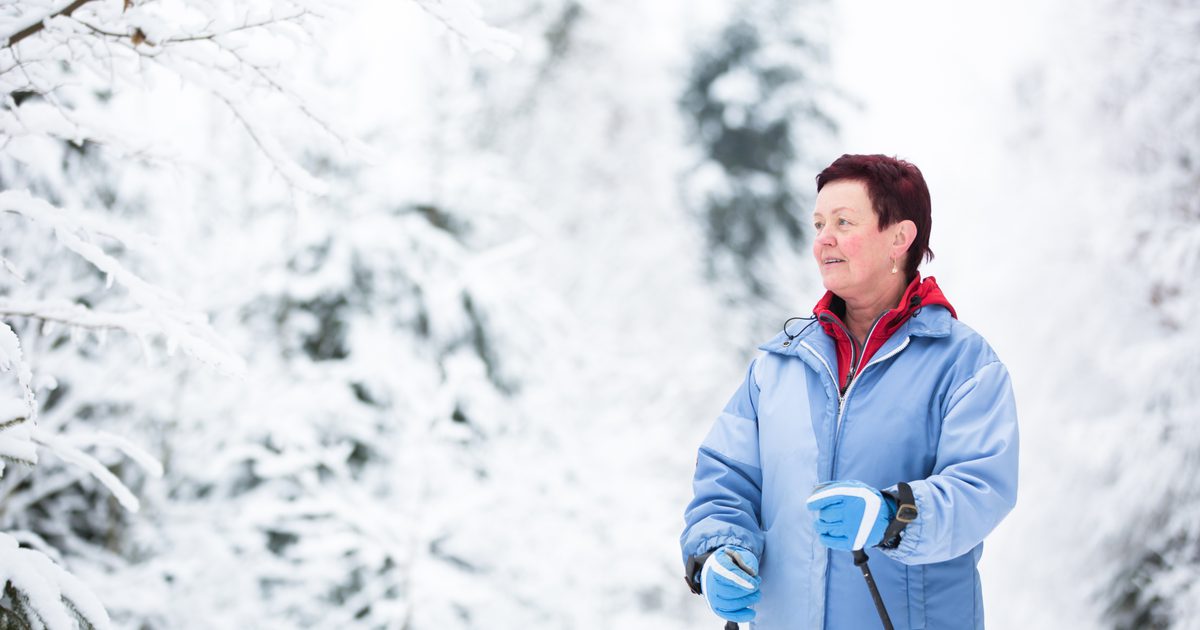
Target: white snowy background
411,313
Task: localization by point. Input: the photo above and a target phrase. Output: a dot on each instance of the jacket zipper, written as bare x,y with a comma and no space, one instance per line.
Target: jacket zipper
843,397
841,408
857,352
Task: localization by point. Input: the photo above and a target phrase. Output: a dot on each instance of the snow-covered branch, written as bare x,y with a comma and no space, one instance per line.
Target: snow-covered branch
161,314
13,360
45,593
16,443
229,49
77,315
63,448
66,11
464,19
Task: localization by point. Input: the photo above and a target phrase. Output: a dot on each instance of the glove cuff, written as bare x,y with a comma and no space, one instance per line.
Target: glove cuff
695,564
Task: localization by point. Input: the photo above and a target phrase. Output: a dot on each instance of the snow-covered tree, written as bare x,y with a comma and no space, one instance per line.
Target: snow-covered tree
636,346
465,305
1147,99
112,113
1113,209
758,103
383,340
77,266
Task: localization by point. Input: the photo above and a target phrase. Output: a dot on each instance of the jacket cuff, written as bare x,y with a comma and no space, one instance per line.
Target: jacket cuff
712,542
705,548
910,538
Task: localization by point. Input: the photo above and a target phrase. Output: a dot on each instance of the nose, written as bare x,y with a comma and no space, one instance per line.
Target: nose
824,237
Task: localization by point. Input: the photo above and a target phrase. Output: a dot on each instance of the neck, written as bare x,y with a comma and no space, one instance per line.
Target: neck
861,312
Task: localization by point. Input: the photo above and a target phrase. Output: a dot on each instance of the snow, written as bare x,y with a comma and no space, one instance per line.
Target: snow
54,594
464,19
416,316
59,447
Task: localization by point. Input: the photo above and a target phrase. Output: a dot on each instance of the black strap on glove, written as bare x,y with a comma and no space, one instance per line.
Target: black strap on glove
906,512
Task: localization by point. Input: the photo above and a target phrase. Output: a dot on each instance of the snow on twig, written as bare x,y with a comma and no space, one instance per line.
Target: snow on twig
11,359
11,268
52,594
77,315
288,168
33,540
463,18
16,443
60,446
201,54
103,438
12,40
162,313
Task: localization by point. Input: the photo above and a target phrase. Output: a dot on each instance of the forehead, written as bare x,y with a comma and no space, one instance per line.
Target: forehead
843,196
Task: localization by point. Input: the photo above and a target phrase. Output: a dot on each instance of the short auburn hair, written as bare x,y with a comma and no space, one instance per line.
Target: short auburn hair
897,191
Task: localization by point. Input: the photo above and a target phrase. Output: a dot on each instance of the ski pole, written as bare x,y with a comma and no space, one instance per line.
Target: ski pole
860,561
732,625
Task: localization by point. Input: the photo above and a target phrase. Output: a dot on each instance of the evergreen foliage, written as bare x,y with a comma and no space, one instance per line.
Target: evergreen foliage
757,103
457,367
1148,102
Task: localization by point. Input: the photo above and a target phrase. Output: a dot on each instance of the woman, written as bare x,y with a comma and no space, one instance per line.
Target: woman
884,424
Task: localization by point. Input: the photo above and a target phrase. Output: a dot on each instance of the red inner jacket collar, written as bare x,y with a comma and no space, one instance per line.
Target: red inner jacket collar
831,310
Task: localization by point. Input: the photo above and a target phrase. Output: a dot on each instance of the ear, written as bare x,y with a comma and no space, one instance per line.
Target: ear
904,235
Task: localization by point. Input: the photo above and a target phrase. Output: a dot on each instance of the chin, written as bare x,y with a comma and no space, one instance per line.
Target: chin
836,289
832,285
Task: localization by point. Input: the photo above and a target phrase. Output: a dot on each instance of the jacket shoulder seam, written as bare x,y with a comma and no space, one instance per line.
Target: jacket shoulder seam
974,378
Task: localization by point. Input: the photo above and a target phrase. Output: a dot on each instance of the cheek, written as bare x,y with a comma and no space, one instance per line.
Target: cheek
850,246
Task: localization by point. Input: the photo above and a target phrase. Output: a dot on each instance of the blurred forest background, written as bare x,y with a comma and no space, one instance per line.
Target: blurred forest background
411,313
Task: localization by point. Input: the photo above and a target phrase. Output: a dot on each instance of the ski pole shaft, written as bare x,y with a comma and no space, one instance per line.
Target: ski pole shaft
860,561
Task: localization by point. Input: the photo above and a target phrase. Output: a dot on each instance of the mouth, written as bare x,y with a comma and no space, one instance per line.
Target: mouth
832,261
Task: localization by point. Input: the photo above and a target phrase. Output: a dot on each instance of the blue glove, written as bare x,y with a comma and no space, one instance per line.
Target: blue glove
850,515
729,589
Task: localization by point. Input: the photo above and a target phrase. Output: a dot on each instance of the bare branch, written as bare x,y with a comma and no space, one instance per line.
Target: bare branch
137,37
100,31
244,27
295,176
291,95
461,17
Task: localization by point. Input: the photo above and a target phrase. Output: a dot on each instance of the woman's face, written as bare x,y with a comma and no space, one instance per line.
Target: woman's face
853,255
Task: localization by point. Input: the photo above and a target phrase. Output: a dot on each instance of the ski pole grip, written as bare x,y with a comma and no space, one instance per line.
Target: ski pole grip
737,560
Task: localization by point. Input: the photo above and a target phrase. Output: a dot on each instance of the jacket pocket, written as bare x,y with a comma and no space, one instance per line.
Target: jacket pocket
915,579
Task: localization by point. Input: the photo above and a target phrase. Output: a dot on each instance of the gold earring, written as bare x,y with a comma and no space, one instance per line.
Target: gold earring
893,265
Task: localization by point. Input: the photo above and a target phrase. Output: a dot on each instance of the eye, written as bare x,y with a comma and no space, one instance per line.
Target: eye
818,226
843,222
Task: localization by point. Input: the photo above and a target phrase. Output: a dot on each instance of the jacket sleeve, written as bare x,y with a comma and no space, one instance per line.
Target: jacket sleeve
974,484
728,481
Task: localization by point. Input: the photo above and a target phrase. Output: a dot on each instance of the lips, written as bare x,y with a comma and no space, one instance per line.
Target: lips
832,261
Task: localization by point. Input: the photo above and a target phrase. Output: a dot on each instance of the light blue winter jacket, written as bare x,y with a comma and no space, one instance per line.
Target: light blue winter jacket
933,407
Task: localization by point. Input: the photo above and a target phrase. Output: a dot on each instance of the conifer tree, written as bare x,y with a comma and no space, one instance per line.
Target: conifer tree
111,112
757,100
